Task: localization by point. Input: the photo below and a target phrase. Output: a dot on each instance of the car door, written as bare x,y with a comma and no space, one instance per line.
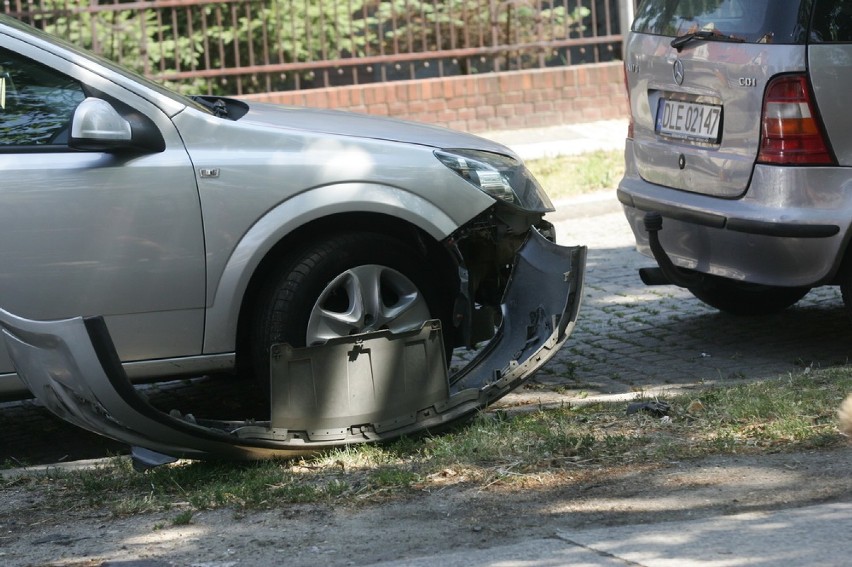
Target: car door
117,234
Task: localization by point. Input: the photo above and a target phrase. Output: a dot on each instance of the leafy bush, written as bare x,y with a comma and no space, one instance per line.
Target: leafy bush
280,44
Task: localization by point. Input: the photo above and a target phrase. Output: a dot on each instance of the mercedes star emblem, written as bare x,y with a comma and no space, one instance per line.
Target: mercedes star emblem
677,71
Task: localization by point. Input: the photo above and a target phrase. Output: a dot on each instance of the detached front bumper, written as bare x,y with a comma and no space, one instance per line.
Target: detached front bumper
370,387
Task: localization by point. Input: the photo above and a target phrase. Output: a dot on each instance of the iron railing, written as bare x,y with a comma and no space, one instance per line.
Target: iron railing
249,46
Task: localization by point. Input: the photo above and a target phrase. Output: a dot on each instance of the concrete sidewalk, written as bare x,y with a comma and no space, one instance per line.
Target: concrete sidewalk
814,535
569,139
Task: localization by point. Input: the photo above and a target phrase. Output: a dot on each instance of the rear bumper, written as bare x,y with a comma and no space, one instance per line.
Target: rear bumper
354,393
789,229
735,223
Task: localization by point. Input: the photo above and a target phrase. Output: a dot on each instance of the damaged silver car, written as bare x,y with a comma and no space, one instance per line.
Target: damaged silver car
340,259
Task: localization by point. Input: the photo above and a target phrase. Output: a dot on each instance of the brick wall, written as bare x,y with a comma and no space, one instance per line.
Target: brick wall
480,103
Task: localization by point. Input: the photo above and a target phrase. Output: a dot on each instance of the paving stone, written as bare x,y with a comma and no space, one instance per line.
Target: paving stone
630,335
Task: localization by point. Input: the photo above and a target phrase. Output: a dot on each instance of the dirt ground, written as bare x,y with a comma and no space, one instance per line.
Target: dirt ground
444,514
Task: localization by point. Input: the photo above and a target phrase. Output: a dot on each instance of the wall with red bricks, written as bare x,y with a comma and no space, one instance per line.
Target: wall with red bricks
481,103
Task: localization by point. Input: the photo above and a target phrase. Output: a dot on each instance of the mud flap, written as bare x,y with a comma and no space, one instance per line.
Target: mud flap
369,387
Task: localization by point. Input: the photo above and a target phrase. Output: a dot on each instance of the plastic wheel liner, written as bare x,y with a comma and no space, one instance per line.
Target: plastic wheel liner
368,387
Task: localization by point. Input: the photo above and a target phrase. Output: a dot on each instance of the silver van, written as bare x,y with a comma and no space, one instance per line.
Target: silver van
737,159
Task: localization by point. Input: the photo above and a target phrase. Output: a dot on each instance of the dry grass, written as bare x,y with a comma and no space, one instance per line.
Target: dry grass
538,447
567,176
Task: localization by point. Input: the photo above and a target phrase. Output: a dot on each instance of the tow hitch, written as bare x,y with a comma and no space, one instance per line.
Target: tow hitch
667,273
368,387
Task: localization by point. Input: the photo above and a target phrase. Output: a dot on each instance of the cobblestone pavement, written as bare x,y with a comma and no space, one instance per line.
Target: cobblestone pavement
630,339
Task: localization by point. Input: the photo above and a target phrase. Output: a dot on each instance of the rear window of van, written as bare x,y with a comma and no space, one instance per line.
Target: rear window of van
753,21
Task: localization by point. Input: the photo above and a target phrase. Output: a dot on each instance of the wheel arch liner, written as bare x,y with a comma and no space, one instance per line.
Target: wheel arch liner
369,387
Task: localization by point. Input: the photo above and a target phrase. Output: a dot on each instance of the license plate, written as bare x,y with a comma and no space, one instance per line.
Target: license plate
688,120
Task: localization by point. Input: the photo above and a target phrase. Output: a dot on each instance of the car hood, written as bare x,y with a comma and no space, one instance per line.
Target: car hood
364,126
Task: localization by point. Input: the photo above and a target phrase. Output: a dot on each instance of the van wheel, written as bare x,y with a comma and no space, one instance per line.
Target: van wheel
846,293
739,298
343,285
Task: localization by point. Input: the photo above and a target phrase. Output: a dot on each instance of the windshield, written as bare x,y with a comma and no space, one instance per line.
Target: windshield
102,61
752,21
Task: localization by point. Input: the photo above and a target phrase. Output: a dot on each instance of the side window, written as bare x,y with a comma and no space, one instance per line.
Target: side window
36,102
832,22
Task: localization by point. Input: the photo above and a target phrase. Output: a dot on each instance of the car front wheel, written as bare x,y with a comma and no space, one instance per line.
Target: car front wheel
344,285
739,298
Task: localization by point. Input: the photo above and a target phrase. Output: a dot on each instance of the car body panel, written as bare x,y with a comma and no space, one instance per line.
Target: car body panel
108,234
272,177
730,75
830,68
323,121
72,368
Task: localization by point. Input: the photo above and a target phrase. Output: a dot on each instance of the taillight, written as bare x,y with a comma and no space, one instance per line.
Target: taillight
790,130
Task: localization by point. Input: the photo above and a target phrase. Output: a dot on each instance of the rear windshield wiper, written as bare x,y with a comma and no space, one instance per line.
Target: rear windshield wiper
703,35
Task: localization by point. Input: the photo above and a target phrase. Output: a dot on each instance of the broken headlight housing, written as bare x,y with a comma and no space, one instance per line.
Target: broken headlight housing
500,176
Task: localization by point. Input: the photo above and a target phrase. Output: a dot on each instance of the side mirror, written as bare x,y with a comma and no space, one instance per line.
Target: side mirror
98,126
95,120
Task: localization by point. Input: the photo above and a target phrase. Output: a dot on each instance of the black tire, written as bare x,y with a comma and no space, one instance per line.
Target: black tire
846,293
289,305
739,298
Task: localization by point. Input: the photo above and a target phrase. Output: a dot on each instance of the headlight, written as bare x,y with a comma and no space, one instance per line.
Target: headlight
500,176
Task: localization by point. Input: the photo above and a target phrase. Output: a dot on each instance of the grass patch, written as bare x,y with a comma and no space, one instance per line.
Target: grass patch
183,519
568,176
798,412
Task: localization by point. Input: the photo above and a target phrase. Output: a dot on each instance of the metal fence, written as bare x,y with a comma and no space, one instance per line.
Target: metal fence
250,46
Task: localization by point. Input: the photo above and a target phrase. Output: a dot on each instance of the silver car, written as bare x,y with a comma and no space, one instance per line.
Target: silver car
204,234
737,179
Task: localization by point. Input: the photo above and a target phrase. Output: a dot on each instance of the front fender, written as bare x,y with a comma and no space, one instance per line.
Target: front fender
229,286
